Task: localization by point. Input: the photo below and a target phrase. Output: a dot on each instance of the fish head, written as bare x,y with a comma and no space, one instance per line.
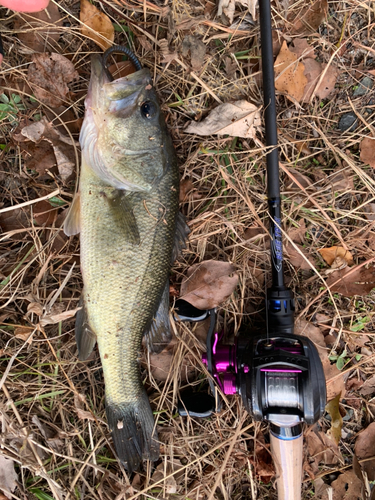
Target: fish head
124,136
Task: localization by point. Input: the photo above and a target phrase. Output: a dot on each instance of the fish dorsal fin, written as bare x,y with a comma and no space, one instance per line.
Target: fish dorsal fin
85,337
72,223
123,216
159,334
182,233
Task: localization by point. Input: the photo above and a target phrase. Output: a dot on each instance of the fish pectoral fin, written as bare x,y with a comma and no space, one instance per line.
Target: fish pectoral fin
72,223
124,217
181,236
85,337
159,334
133,431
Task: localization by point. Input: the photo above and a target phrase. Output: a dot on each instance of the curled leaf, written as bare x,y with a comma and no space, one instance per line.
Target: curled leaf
331,253
238,119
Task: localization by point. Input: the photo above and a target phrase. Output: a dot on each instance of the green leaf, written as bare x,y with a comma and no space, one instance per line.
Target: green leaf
6,107
360,324
16,98
4,98
40,494
57,202
340,363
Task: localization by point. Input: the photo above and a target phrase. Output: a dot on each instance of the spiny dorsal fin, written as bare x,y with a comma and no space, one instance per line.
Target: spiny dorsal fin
72,223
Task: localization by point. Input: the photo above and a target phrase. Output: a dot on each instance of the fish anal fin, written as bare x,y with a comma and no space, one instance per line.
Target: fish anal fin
72,223
181,236
159,334
123,216
85,337
133,432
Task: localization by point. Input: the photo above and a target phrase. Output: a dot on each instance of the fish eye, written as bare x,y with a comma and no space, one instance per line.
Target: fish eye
148,109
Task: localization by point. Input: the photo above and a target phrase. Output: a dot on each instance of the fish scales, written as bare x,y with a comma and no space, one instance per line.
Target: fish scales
124,282
126,211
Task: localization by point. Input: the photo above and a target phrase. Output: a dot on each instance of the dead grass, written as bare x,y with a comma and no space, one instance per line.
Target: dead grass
328,193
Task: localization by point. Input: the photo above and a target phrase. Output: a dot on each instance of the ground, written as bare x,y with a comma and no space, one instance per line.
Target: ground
54,432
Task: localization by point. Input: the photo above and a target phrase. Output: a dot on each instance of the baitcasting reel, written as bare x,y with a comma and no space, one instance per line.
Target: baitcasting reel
279,377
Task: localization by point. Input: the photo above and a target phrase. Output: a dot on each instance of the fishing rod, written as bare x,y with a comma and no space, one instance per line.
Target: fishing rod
278,375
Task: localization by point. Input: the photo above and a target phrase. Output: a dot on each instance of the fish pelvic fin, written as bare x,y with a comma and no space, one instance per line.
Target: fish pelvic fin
72,223
159,334
182,233
133,432
85,337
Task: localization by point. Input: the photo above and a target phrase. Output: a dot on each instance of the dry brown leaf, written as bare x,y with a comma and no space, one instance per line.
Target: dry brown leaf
8,476
322,448
368,387
313,71
237,119
161,363
209,284
331,253
289,74
302,49
23,333
39,157
334,379
229,7
341,181
49,75
167,55
368,151
298,256
347,486
297,234
65,157
35,308
262,460
79,404
197,49
44,214
364,448
360,281
309,18
52,318
39,30
96,25
13,220
302,179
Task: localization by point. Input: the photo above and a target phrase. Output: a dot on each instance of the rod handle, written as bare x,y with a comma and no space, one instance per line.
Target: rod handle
287,455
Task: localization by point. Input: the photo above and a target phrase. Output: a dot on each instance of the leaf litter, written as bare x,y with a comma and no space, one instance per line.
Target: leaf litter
226,215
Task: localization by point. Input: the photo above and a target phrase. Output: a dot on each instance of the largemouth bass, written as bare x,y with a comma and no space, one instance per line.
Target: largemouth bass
126,211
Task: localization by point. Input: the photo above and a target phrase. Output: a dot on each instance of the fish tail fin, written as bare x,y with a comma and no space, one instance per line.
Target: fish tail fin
133,433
